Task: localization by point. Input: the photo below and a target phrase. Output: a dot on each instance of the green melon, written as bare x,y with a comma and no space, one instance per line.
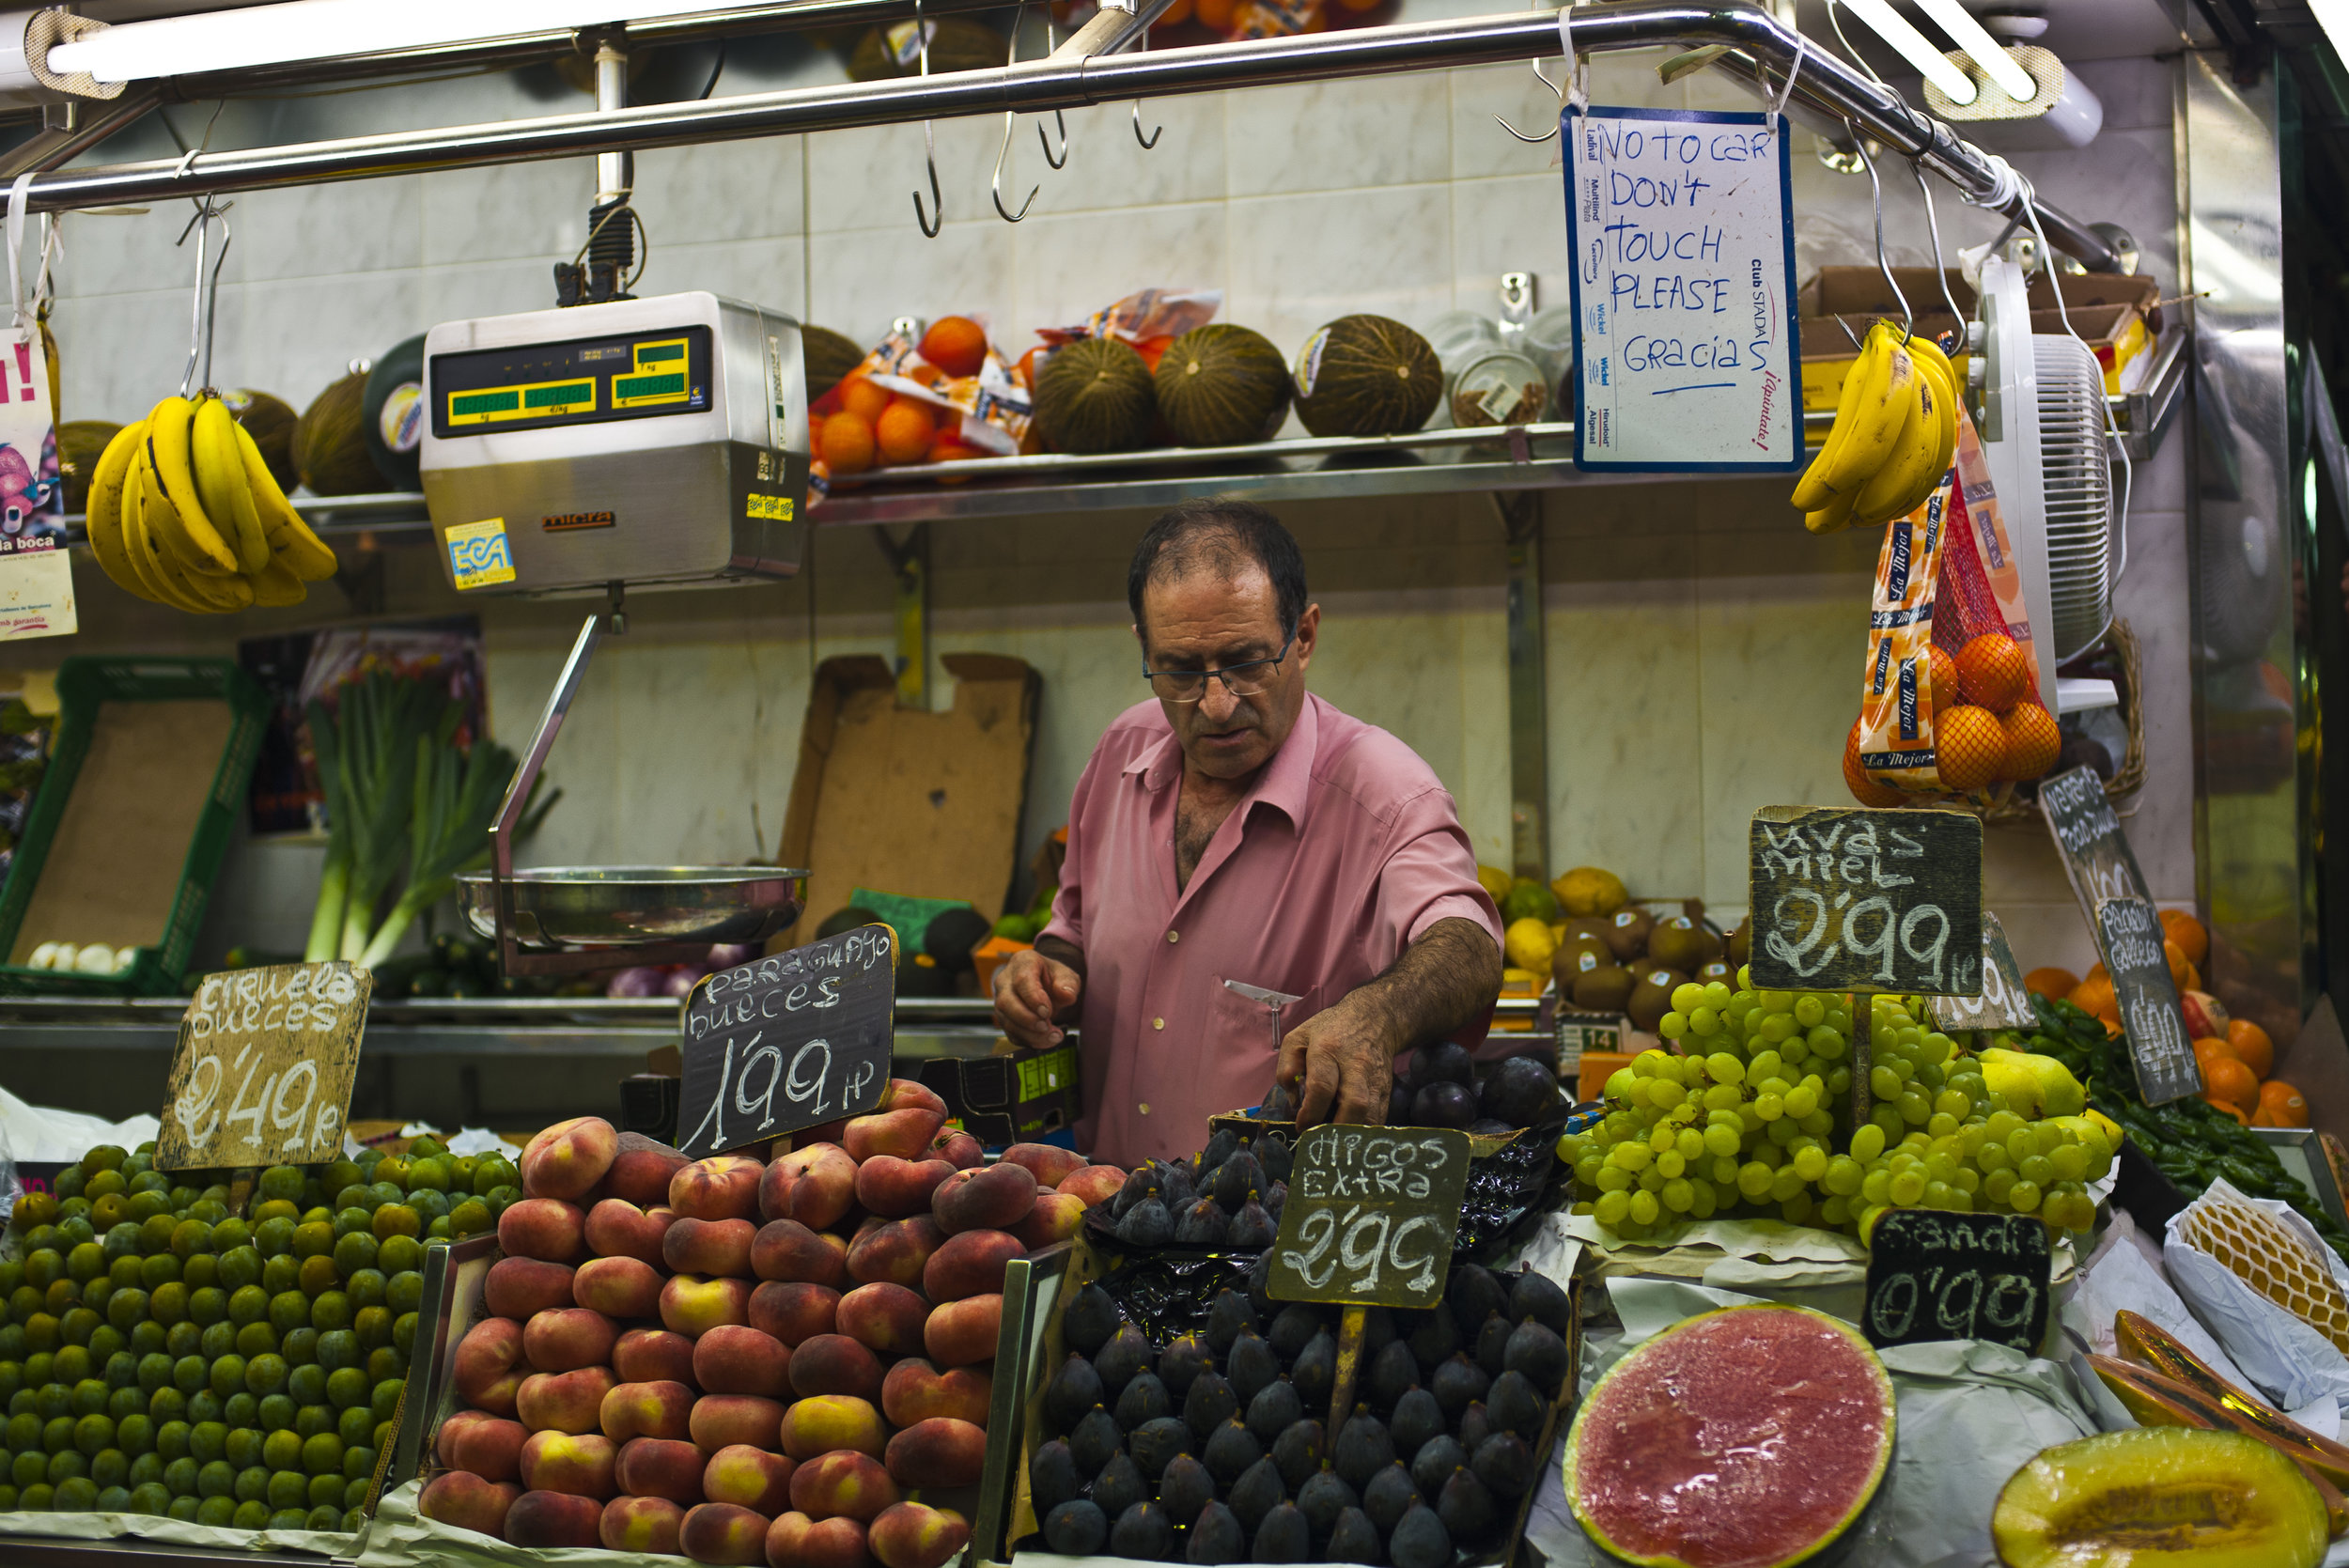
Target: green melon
957,43
1095,394
1222,385
79,444
827,356
1366,375
329,443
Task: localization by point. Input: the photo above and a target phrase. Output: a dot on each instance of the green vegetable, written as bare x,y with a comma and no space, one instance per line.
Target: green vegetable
455,800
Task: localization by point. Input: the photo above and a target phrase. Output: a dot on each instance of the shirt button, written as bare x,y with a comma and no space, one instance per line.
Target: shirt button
1173,936
1146,1110
1158,1024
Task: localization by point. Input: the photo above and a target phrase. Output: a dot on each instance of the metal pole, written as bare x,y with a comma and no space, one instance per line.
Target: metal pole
1058,84
1528,705
615,172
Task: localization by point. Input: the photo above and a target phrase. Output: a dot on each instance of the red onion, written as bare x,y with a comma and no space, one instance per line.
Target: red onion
727,956
644,980
679,982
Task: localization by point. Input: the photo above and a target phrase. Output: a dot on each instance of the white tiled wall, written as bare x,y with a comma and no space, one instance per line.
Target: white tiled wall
1703,652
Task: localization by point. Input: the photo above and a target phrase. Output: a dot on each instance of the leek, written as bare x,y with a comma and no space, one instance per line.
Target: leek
455,799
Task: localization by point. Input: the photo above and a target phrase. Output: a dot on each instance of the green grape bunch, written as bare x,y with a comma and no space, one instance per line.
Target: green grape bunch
1749,1114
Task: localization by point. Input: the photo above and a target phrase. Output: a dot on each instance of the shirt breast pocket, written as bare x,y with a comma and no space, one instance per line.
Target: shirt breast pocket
1244,1036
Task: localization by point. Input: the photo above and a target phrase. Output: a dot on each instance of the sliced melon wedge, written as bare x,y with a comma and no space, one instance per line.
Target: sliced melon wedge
2160,1497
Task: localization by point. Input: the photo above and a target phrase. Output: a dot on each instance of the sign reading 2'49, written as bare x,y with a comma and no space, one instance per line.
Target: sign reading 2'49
262,1073
1371,1216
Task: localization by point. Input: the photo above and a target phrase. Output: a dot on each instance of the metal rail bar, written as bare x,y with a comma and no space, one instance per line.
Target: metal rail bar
95,119
1824,81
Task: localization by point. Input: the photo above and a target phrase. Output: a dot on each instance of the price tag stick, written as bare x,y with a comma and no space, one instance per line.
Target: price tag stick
1863,1060
1351,1328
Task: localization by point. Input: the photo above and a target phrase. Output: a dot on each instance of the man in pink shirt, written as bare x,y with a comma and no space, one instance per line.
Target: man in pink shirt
1237,828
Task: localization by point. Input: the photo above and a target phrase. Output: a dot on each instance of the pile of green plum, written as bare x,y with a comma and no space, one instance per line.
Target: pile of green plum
159,1354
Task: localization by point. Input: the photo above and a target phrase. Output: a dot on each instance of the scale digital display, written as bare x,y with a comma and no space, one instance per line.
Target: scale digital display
584,382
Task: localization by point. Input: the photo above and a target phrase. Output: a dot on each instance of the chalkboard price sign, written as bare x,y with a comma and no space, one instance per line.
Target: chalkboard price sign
1371,1216
2129,935
2096,853
2004,1002
1848,900
786,1041
1937,1275
262,1073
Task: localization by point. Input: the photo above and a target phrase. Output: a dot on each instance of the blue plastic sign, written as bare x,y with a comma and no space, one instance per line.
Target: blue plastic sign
1680,224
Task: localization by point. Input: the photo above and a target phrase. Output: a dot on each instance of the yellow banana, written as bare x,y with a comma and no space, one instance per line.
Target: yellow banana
1910,458
289,538
181,527
1811,490
277,584
102,517
221,485
1833,518
1882,409
1930,353
199,593
144,553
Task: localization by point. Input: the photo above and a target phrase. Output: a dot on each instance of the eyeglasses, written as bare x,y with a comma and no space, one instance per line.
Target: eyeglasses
1240,680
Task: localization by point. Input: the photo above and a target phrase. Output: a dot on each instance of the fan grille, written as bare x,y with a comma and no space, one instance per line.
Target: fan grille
2077,477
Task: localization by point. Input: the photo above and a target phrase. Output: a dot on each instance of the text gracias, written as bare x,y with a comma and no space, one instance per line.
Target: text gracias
1624,242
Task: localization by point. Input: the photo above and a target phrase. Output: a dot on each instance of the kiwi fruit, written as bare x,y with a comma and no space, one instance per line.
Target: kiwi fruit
1682,942
1627,933
1652,996
1603,990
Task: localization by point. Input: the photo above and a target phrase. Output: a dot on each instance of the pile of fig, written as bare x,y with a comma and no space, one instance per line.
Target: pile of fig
1225,1198
1440,1087
1214,1448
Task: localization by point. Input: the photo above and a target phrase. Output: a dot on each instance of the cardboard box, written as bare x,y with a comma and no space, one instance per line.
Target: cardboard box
921,803
2119,316
1011,1096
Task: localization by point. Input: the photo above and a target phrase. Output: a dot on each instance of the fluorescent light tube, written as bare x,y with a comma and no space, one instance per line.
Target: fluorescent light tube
324,30
1985,51
1889,25
2333,16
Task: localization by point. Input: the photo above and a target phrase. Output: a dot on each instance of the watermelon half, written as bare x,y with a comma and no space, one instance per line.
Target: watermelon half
1748,1437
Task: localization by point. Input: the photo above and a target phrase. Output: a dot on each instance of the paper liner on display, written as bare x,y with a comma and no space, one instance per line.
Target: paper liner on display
2292,1363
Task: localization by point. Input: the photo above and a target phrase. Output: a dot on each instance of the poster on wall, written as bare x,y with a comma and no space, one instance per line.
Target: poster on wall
1680,226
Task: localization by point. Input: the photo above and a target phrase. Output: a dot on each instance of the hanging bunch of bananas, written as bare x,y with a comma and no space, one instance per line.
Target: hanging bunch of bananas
1895,433
182,511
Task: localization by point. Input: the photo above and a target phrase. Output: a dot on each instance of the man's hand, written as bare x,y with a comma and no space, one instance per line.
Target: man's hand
1032,990
1341,1063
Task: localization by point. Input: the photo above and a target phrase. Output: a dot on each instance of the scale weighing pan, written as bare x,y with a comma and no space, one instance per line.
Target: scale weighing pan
627,905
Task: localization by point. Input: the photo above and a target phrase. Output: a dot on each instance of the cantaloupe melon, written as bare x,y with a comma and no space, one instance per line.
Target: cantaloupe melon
1222,385
827,356
1366,375
329,443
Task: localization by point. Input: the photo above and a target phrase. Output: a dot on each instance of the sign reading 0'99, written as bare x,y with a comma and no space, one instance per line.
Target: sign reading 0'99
589,380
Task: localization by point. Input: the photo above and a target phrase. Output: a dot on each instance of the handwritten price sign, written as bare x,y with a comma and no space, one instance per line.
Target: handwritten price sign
1848,899
262,1073
1371,1216
2004,1002
1940,1276
786,1041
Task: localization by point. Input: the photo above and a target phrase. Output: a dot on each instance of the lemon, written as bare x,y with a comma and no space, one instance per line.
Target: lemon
1529,945
1589,890
1495,881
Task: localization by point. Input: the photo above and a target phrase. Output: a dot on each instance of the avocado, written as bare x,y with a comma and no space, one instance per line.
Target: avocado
951,936
841,921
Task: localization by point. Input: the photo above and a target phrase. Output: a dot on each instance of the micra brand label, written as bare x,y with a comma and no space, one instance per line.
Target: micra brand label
768,508
565,522
477,554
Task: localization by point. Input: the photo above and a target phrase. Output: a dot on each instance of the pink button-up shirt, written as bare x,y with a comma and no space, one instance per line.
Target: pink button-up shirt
1345,851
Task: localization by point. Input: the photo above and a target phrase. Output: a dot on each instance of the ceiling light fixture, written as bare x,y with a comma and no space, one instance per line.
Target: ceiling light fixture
2333,16
1985,51
1889,25
325,30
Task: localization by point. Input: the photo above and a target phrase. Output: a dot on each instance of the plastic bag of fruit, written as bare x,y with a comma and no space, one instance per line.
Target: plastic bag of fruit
1151,320
1950,702
948,397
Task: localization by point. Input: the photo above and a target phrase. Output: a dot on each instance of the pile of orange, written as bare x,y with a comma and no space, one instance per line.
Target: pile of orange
1987,724
878,425
2234,1069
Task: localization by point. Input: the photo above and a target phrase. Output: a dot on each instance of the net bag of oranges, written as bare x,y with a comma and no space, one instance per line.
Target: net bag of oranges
1950,700
947,397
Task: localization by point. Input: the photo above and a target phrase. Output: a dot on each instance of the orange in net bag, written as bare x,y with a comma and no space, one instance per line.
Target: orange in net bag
1949,703
984,413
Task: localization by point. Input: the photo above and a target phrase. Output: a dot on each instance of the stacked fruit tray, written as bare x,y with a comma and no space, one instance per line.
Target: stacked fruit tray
744,1361
1213,1445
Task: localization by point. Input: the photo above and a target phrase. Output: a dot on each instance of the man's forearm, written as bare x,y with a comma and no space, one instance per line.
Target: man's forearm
1438,984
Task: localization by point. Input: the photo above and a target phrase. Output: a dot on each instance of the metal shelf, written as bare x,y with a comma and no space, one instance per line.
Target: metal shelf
489,1025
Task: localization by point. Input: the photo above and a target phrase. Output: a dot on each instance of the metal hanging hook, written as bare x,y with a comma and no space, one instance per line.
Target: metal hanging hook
1150,141
929,141
1884,264
1565,37
1004,152
206,291
1059,159
1933,227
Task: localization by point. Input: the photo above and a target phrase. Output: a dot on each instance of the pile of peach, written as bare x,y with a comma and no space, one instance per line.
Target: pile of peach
746,1363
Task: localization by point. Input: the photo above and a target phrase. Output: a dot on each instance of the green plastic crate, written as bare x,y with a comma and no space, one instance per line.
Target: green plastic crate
83,685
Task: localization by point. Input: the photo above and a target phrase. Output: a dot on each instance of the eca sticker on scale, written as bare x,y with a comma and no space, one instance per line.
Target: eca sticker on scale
1680,224
478,555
